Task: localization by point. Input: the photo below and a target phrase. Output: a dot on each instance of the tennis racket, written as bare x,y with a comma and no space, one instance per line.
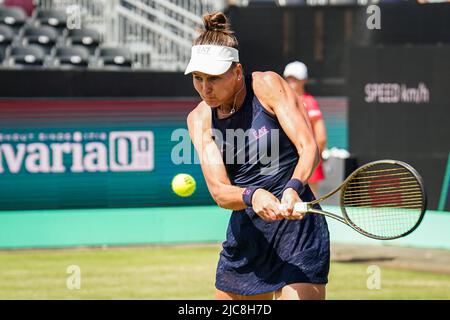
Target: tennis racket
383,200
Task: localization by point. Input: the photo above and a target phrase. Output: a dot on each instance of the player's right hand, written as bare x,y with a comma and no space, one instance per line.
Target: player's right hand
289,199
266,205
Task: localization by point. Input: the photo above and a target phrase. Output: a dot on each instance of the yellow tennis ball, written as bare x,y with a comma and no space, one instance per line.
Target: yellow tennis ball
183,184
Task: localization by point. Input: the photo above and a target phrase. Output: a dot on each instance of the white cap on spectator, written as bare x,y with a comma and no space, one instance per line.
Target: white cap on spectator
297,70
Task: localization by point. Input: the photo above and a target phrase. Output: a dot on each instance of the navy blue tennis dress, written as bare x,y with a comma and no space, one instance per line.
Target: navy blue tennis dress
259,256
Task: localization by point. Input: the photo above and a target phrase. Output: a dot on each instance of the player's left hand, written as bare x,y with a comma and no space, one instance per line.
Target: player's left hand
289,199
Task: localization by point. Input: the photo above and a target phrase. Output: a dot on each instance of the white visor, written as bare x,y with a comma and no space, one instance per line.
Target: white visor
211,59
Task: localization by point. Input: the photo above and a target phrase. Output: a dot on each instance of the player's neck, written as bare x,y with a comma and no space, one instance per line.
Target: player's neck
235,103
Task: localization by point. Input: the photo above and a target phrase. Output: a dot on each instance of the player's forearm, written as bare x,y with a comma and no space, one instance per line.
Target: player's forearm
228,197
309,159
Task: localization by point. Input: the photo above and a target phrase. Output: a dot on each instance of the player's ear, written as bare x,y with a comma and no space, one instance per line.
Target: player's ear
237,70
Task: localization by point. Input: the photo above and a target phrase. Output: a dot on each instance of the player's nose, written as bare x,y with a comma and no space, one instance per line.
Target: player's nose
207,88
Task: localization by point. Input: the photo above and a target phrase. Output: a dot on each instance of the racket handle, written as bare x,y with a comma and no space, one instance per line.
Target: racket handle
301,207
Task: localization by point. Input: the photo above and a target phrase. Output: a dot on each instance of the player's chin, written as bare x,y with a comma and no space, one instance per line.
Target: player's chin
213,103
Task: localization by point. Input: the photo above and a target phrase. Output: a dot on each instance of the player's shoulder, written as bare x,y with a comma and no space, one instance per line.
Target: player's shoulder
266,78
201,112
266,84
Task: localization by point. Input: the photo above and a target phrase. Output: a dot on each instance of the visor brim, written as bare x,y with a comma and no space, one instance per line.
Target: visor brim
208,67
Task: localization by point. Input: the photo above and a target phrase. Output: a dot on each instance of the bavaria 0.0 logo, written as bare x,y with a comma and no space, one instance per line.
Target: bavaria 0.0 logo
59,152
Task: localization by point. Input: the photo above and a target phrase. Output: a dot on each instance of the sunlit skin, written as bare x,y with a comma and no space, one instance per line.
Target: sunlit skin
318,125
219,91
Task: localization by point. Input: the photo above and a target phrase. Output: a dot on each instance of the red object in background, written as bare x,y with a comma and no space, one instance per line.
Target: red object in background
27,5
318,174
379,194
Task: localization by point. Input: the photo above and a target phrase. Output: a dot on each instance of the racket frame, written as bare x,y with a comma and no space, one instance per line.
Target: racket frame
308,206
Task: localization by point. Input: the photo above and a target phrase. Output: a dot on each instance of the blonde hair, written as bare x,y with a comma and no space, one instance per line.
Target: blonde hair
217,31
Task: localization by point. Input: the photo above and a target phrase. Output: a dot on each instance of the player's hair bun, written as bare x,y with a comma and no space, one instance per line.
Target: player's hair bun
217,21
217,31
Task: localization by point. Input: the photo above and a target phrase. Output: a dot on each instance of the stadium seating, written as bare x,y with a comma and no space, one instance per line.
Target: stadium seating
27,5
71,57
43,40
6,38
88,38
29,56
54,18
114,57
43,36
14,17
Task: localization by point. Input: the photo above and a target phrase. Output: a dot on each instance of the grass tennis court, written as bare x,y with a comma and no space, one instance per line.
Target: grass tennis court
177,272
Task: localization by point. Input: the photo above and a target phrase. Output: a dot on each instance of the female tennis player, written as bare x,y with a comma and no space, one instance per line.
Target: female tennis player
268,251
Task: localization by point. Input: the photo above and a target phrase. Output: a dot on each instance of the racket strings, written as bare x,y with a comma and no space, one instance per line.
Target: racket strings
388,176
389,198
386,182
406,184
384,200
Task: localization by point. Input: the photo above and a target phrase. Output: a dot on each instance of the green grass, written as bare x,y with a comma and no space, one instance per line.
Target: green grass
177,272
